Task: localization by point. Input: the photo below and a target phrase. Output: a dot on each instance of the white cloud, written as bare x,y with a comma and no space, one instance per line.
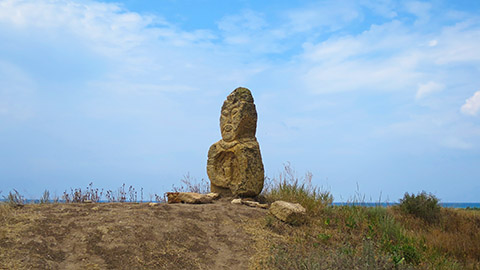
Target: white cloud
104,27
248,32
425,89
420,9
457,43
392,56
472,104
433,43
247,20
377,59
136,51
330,15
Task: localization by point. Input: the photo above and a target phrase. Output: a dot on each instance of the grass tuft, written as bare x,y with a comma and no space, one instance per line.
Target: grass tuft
78,196
15,199
288,187
189,184
45,197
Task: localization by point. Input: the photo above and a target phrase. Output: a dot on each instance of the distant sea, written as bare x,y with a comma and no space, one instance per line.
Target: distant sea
385,204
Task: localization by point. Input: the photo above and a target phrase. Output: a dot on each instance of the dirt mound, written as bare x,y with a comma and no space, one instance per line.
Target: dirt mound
127,236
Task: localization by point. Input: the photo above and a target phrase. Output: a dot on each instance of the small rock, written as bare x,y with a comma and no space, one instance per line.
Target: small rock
292,213
263,205
172,197
237,201
254,204
251,203
87,201
213,195
152,204
95,208
188,197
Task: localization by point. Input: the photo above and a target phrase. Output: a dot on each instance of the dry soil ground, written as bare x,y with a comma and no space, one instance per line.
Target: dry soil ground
127,236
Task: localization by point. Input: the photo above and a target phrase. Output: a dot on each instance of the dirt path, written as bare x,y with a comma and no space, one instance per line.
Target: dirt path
127,236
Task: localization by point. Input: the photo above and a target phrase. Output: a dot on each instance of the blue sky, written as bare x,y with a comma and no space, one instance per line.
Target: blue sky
383,95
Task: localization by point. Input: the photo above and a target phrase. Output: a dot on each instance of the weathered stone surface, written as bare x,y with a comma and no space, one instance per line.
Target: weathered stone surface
234,163
213,195
292,213
237,201
188,197
249,202
255,204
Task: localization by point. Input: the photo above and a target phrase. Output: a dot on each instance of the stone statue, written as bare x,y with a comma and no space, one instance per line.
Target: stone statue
234,163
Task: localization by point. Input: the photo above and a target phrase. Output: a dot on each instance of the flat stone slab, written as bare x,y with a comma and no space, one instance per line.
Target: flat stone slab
190,197
249,203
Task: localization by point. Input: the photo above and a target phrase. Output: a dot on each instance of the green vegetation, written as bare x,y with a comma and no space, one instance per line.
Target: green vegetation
415,234
423,205
288,187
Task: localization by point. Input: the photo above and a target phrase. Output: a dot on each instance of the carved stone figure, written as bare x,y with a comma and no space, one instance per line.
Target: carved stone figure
234,163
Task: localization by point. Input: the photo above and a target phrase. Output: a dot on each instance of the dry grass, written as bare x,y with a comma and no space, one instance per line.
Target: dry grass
289,187
334,237
356,237
190,184
455,235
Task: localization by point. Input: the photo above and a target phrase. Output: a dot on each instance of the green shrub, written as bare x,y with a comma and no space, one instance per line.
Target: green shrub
422,205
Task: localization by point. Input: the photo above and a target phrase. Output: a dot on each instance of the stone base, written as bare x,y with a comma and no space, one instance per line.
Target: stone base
236,169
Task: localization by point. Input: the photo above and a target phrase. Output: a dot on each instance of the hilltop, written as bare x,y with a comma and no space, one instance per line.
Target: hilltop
415,234
128,236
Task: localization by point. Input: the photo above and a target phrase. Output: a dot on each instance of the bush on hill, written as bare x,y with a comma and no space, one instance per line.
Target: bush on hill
422,205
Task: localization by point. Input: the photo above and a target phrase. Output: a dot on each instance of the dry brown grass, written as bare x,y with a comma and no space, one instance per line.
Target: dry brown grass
334,237
455,235
291,188
353,237
421,235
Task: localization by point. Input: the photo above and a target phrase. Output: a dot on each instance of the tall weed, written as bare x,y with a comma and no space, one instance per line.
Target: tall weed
190,184
90,194
15,199
45,197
